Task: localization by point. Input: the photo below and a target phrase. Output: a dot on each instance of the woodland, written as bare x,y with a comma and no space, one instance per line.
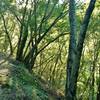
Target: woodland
49,49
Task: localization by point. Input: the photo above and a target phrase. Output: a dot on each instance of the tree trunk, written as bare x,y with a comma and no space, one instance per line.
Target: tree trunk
98,92
75,50
98,89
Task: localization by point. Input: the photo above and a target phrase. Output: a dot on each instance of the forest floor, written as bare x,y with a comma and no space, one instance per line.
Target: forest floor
16,83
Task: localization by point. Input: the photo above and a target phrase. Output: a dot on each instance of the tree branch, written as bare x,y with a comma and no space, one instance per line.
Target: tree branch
7,33
51,42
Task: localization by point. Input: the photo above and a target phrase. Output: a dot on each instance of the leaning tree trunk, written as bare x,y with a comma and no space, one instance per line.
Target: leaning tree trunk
75,50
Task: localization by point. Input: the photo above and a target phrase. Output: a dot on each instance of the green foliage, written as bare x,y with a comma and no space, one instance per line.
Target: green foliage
50,63
21,84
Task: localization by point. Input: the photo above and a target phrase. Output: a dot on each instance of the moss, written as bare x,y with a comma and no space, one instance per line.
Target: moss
20,84
16,83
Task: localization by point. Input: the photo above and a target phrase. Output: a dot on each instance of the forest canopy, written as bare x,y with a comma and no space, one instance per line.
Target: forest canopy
57,40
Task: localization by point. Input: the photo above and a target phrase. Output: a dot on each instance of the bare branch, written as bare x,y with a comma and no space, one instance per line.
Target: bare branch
51,42
53,23
7,33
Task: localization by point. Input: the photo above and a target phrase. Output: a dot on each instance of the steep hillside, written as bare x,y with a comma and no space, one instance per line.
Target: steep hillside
16,83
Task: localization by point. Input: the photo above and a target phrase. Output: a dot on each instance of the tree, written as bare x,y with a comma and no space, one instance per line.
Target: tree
36,24
36,33
35,19
75,48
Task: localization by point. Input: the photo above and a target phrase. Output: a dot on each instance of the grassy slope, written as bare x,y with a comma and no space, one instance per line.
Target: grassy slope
16,83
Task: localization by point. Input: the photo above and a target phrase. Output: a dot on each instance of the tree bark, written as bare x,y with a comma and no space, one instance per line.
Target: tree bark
72,49
98,92
75,50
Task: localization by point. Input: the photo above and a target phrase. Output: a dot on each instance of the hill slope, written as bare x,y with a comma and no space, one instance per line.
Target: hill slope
16,83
